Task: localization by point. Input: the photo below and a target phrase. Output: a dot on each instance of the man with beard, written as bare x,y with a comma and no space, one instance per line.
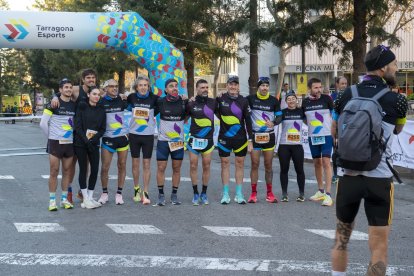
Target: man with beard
374,186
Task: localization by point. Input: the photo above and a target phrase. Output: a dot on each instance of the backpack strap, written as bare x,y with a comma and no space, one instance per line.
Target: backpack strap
381,93
354,91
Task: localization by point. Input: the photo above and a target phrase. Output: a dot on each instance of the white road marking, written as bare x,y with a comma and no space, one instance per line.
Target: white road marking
183,178
134,229
115,177
22,154
6,177
194,263
46,176
330,234
307,181
38,227
244,180
31,148
236,231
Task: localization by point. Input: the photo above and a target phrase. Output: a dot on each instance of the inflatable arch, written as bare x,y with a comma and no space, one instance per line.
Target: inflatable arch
123,31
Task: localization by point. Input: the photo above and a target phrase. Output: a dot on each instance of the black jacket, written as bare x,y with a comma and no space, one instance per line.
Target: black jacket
92,118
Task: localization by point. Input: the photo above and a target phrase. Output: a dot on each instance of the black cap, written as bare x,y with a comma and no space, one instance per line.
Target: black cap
167,82
263,80
233,79
290,94
378,57
64,81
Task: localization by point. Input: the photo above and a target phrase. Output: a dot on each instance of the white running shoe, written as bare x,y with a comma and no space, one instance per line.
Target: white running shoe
88,204
118,199
104,198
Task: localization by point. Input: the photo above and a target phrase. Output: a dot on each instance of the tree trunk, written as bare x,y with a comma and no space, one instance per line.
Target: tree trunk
121,81
217,68
283,51
189,66
254,45
359,42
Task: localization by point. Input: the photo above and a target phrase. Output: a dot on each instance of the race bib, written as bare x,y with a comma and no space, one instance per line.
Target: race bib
262,138
293,137
318,140
141,113
64,142
90,133
176,145
199,144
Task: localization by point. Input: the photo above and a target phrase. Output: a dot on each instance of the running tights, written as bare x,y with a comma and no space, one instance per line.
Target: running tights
294,152
83,157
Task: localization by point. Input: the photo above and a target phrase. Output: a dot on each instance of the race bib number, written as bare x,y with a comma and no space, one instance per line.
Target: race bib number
318,140
64,142
262,138
293,137
176,145
199,144
90,133
141,113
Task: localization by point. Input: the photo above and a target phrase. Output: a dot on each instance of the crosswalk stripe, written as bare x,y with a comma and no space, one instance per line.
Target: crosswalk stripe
236,231
244,180
38,227
330,234
194,263
46,176
22,154
6,177
134,229
307,181
111,177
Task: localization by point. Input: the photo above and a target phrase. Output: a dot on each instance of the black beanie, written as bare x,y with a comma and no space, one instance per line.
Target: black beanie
290,94
378,57
263,80
167,82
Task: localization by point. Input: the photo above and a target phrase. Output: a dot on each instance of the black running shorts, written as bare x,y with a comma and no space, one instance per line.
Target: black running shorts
138,142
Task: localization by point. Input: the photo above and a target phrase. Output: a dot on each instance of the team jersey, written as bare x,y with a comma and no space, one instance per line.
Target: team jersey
61,120
172,115
263,110
318,115
292,120
114,109
394,107
202,117
234,115
143,112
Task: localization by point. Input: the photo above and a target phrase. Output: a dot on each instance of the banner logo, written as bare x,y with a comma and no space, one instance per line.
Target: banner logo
17,30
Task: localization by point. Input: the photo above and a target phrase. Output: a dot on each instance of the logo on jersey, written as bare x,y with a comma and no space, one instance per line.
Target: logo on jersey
117,126
68,128
318,123
295,129
262,123
174,135
233,120
206,124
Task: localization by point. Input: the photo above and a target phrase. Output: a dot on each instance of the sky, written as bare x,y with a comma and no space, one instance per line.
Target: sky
20,5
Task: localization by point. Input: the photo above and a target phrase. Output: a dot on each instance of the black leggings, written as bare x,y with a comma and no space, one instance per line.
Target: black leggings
83,156
286,152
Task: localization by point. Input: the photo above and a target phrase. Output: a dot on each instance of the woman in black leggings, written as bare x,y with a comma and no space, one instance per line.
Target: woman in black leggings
90,125
290,147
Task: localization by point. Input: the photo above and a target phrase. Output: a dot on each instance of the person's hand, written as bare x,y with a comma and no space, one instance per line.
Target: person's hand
184,97
219,94
123,97
192,99
270,124
249,146
54,103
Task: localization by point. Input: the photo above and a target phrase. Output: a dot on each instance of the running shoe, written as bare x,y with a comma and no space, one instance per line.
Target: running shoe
70,197
196,200
318,196
239,199
137,193
96,203
52,205
161,200
225,199
327,201
300,198
66,204
104,198
118,199
145,199
253,198
271,198
335,180
88,204
174,199
204,199
285,198
79,195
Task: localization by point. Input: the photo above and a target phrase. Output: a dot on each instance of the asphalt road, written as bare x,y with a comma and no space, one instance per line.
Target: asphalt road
269,239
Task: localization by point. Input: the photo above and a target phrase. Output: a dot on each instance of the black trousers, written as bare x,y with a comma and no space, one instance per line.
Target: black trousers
296,153
85,156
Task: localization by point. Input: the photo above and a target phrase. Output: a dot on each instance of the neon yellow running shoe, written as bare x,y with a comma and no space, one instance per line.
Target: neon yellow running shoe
137,193
52,205
318,196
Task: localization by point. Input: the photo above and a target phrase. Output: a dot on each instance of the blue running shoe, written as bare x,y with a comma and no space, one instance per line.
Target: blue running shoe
204,199
196,200
161,200
225,199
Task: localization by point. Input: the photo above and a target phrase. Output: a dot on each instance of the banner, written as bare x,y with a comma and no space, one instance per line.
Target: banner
124,31
302,83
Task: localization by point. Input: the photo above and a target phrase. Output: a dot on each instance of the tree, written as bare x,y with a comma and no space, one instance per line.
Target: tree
253,48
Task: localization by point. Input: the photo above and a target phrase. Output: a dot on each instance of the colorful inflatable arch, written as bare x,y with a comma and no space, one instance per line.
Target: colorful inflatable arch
124,31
